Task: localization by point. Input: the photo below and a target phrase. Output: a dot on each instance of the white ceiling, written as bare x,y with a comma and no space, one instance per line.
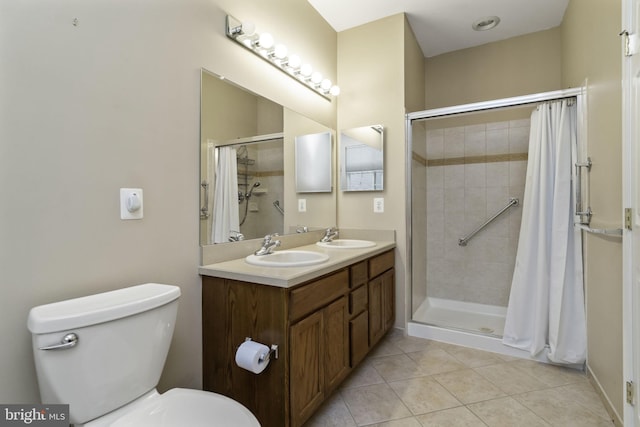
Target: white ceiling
445,25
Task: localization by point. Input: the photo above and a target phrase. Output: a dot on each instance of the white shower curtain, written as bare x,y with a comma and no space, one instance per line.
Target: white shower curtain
546,304
225,201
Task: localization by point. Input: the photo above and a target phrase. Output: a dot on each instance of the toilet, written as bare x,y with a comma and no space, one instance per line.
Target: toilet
103,355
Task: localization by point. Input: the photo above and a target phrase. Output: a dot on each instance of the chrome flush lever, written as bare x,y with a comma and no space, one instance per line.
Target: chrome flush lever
68,341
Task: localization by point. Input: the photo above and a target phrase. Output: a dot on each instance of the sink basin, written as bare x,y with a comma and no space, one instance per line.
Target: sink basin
288,258
347,244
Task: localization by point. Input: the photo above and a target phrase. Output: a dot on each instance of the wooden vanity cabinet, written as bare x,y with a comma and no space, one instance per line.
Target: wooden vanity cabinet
323,329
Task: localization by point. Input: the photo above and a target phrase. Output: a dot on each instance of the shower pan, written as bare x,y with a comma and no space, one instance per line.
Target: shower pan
465,181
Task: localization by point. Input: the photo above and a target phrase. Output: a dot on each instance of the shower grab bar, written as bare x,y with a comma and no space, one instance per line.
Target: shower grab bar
580,210
276,204
607,231
513,201
204,211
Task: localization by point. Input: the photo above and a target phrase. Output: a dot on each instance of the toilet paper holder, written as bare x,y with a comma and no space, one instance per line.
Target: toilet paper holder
273,351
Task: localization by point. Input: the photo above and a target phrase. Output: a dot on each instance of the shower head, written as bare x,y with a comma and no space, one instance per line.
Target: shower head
250,193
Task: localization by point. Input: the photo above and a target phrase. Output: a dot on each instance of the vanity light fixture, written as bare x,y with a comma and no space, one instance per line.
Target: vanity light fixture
278,55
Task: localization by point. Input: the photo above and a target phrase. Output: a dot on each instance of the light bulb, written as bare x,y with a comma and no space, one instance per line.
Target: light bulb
306,70
335,90
280,51
265,41
325,85
294,62
316,78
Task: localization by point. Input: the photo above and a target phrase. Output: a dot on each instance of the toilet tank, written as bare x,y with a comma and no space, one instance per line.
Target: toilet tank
123,341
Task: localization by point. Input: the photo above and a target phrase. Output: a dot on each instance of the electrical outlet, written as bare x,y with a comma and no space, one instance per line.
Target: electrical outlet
378,204
302,205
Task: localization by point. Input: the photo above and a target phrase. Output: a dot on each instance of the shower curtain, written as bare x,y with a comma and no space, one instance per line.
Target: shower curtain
546,304
225,200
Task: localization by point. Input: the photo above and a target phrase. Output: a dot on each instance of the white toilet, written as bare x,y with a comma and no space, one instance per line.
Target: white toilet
103,355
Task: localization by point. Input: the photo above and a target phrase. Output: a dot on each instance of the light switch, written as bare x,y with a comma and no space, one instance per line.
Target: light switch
302,205
131,203
378,204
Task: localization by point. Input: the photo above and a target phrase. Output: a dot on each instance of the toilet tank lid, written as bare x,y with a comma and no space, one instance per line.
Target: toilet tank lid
99,308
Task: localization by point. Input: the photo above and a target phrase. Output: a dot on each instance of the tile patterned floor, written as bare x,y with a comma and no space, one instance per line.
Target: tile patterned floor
413,382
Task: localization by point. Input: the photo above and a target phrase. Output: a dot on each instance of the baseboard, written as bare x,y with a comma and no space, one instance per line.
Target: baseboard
616,418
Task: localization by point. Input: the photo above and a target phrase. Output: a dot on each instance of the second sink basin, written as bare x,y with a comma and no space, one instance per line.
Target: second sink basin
288,258
347,244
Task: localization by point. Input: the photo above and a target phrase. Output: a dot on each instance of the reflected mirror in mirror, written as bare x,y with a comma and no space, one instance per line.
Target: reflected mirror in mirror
313,163
256,136
362,159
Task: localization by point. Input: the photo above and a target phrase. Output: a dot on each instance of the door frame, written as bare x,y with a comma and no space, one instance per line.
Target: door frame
631,296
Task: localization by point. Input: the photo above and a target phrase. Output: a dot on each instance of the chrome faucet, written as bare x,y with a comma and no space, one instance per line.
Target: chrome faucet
235,236
329,234
268,245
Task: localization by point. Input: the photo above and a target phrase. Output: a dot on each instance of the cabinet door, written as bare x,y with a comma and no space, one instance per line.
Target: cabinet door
336,334
376,322
359,333
389,300
381,305
306,367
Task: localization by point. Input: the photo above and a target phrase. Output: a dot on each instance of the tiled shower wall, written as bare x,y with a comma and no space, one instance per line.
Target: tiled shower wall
262,217
472,171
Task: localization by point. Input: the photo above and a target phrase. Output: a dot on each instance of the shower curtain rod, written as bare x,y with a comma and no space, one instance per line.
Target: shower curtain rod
496,103
252,139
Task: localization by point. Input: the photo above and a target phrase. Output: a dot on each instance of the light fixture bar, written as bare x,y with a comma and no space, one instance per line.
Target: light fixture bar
276,54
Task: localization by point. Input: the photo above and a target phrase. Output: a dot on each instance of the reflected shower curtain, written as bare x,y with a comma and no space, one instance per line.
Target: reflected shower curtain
546,304
225,199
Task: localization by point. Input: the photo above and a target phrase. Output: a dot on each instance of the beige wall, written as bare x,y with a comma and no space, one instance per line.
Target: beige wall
591,52
115,102
371,73
414,81
517,66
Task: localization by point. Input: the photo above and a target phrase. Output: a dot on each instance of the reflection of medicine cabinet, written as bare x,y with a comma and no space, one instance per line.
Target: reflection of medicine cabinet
362,159
313,163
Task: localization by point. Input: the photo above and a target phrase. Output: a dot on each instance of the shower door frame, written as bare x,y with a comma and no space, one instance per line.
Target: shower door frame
579,93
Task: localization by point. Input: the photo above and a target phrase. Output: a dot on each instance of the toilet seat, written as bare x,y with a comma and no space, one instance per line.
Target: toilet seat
179,407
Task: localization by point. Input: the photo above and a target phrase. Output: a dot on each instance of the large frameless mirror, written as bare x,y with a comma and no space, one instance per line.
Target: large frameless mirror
246,166
362,158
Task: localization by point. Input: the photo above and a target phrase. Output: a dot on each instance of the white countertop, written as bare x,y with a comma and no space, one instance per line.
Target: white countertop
285,277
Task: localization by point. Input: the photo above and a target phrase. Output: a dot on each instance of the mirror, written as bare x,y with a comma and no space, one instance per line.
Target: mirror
313,163
362,159
247,166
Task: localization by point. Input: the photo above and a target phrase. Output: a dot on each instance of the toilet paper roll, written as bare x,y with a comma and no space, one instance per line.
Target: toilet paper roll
249,354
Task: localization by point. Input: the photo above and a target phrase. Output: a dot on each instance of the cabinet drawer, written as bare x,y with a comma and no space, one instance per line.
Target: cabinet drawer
317,294
358,274
381,263
358,299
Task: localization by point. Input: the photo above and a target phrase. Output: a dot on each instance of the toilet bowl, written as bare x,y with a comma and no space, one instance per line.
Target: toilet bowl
176,408
103,355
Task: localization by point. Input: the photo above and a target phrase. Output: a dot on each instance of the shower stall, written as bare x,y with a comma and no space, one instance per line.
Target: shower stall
258,187
465,183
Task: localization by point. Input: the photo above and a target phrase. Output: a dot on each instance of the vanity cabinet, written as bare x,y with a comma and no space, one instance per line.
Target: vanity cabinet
323,329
